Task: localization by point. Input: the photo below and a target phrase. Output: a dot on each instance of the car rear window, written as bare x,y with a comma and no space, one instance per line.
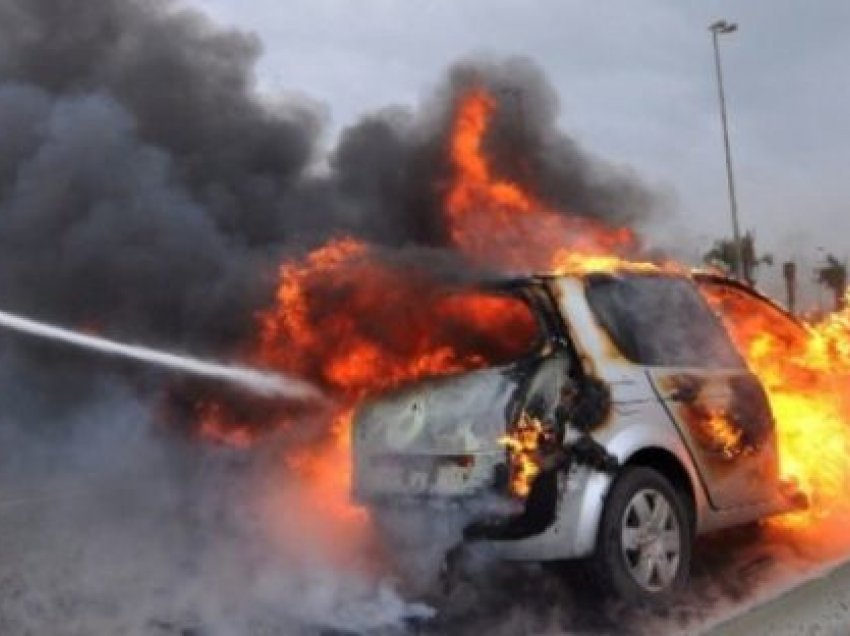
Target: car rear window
487,329
660,321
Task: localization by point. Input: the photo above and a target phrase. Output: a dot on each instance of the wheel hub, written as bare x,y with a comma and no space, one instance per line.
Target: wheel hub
651,540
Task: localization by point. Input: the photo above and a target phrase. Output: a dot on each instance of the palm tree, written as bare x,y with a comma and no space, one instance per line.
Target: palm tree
833,275
724,255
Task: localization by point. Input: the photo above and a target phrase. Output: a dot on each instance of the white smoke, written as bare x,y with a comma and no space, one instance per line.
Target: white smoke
118,526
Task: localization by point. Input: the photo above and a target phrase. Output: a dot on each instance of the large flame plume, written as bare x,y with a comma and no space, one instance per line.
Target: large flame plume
805,369
495,221
357,324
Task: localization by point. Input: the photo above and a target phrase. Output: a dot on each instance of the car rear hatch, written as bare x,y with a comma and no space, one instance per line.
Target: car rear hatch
437,438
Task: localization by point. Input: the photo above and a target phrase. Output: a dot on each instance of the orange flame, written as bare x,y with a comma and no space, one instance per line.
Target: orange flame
725,435
351,322
523,443
356,326
474,185
805,371
217,427
496,222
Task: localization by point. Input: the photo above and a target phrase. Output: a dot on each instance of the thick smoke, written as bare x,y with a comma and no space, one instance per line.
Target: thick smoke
122,530
391,167
148,191
147,186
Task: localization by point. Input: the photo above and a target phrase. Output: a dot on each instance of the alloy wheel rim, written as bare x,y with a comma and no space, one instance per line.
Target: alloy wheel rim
651,540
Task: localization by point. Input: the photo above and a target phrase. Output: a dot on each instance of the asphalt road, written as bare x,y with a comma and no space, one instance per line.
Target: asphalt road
817,606
75,576
746,581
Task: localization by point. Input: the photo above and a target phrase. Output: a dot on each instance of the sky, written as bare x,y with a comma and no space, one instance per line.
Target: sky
637,89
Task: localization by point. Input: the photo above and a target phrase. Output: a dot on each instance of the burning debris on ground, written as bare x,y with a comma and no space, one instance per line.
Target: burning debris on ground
148,188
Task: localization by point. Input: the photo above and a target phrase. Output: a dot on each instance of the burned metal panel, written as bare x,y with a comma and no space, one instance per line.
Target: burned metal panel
439,437
572,534
599,356
541,391
554,414
597,353
583,333
736,469
630,427
725,420
406,441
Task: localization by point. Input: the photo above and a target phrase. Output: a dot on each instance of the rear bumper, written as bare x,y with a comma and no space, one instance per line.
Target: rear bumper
381,477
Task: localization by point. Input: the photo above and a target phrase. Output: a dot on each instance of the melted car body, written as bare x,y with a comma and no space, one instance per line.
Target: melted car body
633,372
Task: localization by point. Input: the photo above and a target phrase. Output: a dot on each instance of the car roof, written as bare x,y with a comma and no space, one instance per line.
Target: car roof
508,282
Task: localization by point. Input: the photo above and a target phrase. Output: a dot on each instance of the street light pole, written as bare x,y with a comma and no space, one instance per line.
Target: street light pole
717,28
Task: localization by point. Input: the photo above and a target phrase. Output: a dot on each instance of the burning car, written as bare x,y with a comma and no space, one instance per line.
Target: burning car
628,425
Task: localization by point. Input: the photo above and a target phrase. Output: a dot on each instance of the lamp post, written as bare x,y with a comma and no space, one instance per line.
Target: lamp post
718,28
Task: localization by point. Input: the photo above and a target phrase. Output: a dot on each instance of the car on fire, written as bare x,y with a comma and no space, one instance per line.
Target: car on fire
641,422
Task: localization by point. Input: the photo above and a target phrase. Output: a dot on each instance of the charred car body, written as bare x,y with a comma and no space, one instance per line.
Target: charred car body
651,430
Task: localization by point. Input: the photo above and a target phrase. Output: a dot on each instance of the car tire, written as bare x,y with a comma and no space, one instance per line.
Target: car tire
644,545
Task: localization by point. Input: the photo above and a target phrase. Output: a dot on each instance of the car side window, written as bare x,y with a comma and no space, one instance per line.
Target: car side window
660,321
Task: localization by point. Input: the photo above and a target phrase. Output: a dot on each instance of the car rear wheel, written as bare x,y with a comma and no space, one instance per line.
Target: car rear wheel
643,552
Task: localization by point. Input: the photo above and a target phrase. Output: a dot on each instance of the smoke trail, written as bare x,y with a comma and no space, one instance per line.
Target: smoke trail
267,384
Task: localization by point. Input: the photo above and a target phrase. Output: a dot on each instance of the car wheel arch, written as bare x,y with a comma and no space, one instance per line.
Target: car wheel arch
614,561
671,467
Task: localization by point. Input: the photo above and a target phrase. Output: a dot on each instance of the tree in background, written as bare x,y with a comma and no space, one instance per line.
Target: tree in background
724,255
833,275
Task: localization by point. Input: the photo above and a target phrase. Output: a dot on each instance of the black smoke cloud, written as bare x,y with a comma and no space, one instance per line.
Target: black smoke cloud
148,187
148,191
145,182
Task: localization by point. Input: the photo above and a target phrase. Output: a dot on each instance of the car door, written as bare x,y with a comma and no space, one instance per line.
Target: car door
718,406
726,423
